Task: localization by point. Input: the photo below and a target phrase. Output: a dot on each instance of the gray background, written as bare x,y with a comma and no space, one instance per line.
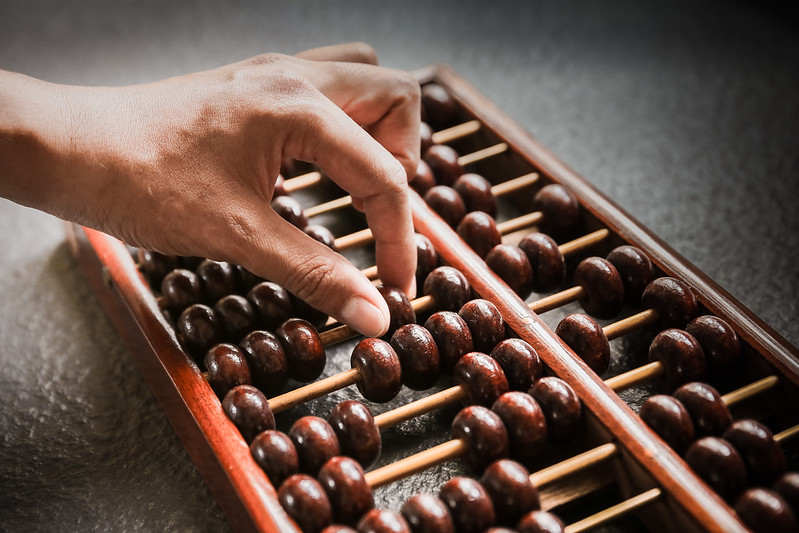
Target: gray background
686,114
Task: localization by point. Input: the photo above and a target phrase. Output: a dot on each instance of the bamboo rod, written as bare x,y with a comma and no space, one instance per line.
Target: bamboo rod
415,463
485,153
574,464
420,407
787,433
302,181
314,390
731,398
581,243
559,299
456,132
615,511
635,376
631,323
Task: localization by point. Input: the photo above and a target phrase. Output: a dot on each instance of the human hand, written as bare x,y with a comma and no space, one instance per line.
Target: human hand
187,166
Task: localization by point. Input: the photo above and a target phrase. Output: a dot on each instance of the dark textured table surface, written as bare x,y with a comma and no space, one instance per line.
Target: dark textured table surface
685,114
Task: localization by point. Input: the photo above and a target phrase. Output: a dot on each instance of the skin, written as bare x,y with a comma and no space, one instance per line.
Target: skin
187,165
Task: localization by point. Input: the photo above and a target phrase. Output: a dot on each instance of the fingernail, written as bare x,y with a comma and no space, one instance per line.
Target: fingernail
363,316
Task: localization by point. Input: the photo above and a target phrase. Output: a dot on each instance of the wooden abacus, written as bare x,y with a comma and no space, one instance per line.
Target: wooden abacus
617,456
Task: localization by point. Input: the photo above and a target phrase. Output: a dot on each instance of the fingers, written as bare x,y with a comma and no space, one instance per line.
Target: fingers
356,52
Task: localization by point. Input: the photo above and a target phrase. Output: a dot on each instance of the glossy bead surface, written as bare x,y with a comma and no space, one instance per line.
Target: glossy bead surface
304,500
439,106
469,504
445,201
181,288
681,356
481,377
485,322
560,208
540,522
275,454
672,299
423,180
763,456
787,486
198,329
635,269
315,441
321,234
452,337
719,464
603,290
217,278
709,412
383,521
668,418
425,137
448,287
303,349
525,423
271,303
358,435
587,339
154,266
510,263
290,210
236,316
520,362
345,485
476,193
443,161
227,367
549,267
399,307
717,339
418,355
426,258
380,370
479,231
512,493
484,434
248,409
765,511
427,514
280,186
561,405
266,359
337,528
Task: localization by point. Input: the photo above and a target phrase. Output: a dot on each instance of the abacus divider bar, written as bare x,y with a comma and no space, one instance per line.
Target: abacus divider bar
615,511
420,407
415,463
573,464
456,132
314,390
787,433
302,181
747,391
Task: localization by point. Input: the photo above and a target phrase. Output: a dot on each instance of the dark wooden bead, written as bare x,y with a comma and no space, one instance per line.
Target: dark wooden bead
561,406
271,303
718,340
672,299
787,486
510,263
279,188
423,180
303,310
500,530
443,161
560,208
446,201
764,458
485,322
315,441
349,493
681,356
476,193
248,409
427,514
236,316
668,418
217,278
380,370
425,137
469,504
452,337
275,454
709,412
441,109
336,528
520,362
525,423
358,435
481,377
290,210
765,511
549,267
227,367
154,266
426,258
587,339
603,290
305,501
635,268
448,287
322,234
181,288
303,349
484,434
399,307
198,329
247,279
383,521
479,231
540,522
719,464
267,360
288,167
512,493
418,356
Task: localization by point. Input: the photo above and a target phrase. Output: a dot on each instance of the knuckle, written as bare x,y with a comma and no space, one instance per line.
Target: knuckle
363,53
269,58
